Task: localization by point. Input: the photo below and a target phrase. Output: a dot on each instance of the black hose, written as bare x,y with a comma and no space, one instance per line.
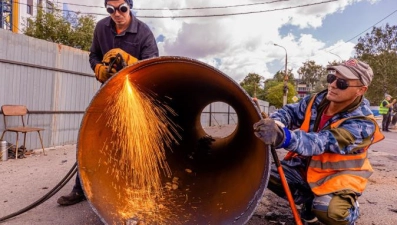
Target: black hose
47,196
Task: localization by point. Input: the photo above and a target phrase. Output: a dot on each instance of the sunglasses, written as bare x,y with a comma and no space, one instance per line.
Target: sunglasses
123,8
340,83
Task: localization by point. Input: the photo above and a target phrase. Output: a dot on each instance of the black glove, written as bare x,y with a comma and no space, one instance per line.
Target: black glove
269,132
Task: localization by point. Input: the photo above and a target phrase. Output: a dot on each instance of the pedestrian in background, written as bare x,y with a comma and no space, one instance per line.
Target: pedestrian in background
326,166
119,34
385,109
394,117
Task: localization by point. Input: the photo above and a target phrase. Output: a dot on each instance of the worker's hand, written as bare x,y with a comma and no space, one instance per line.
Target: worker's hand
112,53
101,72
269,132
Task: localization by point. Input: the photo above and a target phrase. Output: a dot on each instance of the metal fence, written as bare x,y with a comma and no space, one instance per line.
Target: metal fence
220,113
56,83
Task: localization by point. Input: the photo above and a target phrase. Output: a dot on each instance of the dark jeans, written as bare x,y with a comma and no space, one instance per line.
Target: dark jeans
323,207
299,188
385,122
77,185
394,119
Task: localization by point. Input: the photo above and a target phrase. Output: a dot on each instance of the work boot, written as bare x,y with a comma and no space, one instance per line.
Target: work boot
71,199
308,217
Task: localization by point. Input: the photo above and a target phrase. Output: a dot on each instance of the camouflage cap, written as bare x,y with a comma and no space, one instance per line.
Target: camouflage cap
354,69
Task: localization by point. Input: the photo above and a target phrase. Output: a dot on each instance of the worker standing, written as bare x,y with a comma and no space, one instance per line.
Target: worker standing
385,109
122,34
326,166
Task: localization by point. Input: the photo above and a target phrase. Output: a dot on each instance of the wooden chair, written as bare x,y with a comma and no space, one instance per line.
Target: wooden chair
21,111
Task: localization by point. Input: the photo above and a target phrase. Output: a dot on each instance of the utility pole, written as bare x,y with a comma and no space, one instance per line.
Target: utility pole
285,88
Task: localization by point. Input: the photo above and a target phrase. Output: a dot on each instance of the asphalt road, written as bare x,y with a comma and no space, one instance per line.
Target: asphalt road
23,181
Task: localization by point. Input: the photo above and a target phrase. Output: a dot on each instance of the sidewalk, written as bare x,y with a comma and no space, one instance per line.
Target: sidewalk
26,180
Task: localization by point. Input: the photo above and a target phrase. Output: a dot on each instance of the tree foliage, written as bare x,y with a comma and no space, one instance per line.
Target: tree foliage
379,50
252,84
272,90
279,76
52,26
274,94
313,74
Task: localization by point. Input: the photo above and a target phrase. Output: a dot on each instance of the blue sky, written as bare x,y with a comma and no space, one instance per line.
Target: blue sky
346,24
243,43
351,21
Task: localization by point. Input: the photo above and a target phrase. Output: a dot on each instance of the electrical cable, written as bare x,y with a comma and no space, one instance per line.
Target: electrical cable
364,30
47,196
204,15
188,8
241,13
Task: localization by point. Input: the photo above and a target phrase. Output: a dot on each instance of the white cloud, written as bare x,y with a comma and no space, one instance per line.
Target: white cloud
242,44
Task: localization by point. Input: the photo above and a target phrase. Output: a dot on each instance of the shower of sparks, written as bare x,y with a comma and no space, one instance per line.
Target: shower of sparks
141,132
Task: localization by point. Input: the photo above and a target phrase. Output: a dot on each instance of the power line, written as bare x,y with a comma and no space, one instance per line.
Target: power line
205,15
365,30
188,8
241,13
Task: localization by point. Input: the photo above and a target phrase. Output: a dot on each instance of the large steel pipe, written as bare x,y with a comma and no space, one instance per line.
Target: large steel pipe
229,175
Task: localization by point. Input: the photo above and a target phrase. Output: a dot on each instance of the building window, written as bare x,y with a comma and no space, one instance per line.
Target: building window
29,10
29,7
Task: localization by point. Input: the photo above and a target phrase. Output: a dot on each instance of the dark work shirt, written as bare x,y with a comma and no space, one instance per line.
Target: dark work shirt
137,40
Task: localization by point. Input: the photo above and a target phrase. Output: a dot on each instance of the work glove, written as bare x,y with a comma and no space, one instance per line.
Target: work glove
269,132
112,53
102,72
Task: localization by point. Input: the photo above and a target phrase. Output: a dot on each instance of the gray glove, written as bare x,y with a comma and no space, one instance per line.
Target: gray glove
269,132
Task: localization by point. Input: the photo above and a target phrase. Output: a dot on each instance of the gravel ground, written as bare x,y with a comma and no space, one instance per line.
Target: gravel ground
23,181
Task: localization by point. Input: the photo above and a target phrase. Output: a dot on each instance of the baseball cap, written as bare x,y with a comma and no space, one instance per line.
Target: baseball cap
354,69
387,95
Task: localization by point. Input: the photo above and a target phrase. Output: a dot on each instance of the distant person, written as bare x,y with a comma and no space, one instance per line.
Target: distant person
385,109
327,166
120,33
394,117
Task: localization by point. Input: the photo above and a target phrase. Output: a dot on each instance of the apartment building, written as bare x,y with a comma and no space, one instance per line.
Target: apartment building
15,12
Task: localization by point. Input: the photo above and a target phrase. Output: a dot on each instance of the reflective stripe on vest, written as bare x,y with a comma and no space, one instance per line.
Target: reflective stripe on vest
383,110
329,172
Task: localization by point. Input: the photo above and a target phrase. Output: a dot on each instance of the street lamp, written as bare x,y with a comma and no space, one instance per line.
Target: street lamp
285,89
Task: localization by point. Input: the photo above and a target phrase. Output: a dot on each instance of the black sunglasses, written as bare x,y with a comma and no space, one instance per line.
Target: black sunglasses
340,83
123,8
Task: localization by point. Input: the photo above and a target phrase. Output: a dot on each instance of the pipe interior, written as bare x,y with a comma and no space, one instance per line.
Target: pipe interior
228,175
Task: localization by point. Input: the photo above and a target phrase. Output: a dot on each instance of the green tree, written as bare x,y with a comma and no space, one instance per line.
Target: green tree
52,26
274,93
379,50
252,84
314,75
279,76
320,85
83,33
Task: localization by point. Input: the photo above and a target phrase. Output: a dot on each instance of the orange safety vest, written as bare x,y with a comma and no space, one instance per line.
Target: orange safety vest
331,172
